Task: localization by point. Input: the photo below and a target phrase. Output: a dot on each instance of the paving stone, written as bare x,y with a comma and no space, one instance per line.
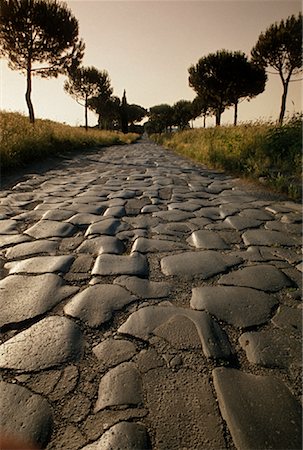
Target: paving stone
144,288
142,221
183,410
144,245
8,226
201,222
97,208
209,213
120,386
204,264
135,264
256,214
8,240
24,415
103,244
251,405
32,248
96,304
52,341
125,193
271,348
242,223
263,276
83,219
173,229
207,239
115,211
114,351
142,323
122,436
180,332
173,215
50,228
189,206
57,215
269,238
289,319
40,264
285,228
109,226
26,297
239,306
82,265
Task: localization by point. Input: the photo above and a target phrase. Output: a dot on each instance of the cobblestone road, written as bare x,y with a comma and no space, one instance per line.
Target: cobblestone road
147,302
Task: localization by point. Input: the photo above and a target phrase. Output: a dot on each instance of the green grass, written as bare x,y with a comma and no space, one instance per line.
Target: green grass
260,151
21,142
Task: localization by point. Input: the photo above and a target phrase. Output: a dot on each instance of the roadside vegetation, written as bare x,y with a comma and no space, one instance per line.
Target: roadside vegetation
266,152
21,142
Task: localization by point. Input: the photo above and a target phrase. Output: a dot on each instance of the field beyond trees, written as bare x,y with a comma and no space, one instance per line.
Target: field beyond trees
22,142
266,152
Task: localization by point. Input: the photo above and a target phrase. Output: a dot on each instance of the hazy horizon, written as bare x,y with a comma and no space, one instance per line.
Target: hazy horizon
147,48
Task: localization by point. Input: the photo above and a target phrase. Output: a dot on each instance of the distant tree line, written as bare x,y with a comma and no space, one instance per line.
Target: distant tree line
41,37
224,79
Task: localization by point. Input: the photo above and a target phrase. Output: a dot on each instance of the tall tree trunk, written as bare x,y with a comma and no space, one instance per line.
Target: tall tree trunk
283,102
85,106
218,118
236,114
204,120
29,91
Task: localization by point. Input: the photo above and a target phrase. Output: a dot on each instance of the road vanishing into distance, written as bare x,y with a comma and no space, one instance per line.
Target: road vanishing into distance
148,302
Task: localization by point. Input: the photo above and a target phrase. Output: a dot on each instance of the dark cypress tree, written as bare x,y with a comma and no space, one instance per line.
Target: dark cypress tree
124,115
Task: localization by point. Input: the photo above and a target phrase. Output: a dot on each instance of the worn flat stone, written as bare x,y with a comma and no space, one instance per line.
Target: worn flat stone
143,322
189,206
96,304
50,228
256,214
100,245
83,219
251,405
268,238
172,229
263,276
180,332
144,288
109,227
135,264
41,264
209,213
145,245
173,215
52,341
24,415
120,386
242,223
182,407
289,319
115,211
25,297
8,226
11,239
122,436
114,351
32,248
57,214
204,264
207,239
272,348
239,306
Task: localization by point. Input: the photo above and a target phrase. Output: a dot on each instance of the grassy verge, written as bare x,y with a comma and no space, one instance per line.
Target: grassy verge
21,142
260,151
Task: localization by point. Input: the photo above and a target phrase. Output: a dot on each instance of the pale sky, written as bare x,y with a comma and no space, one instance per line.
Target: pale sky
147,48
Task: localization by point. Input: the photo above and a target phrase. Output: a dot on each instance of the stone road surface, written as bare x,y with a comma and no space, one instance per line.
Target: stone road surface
148,303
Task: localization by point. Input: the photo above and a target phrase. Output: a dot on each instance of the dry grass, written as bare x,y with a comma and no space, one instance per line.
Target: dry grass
257,150
22,142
